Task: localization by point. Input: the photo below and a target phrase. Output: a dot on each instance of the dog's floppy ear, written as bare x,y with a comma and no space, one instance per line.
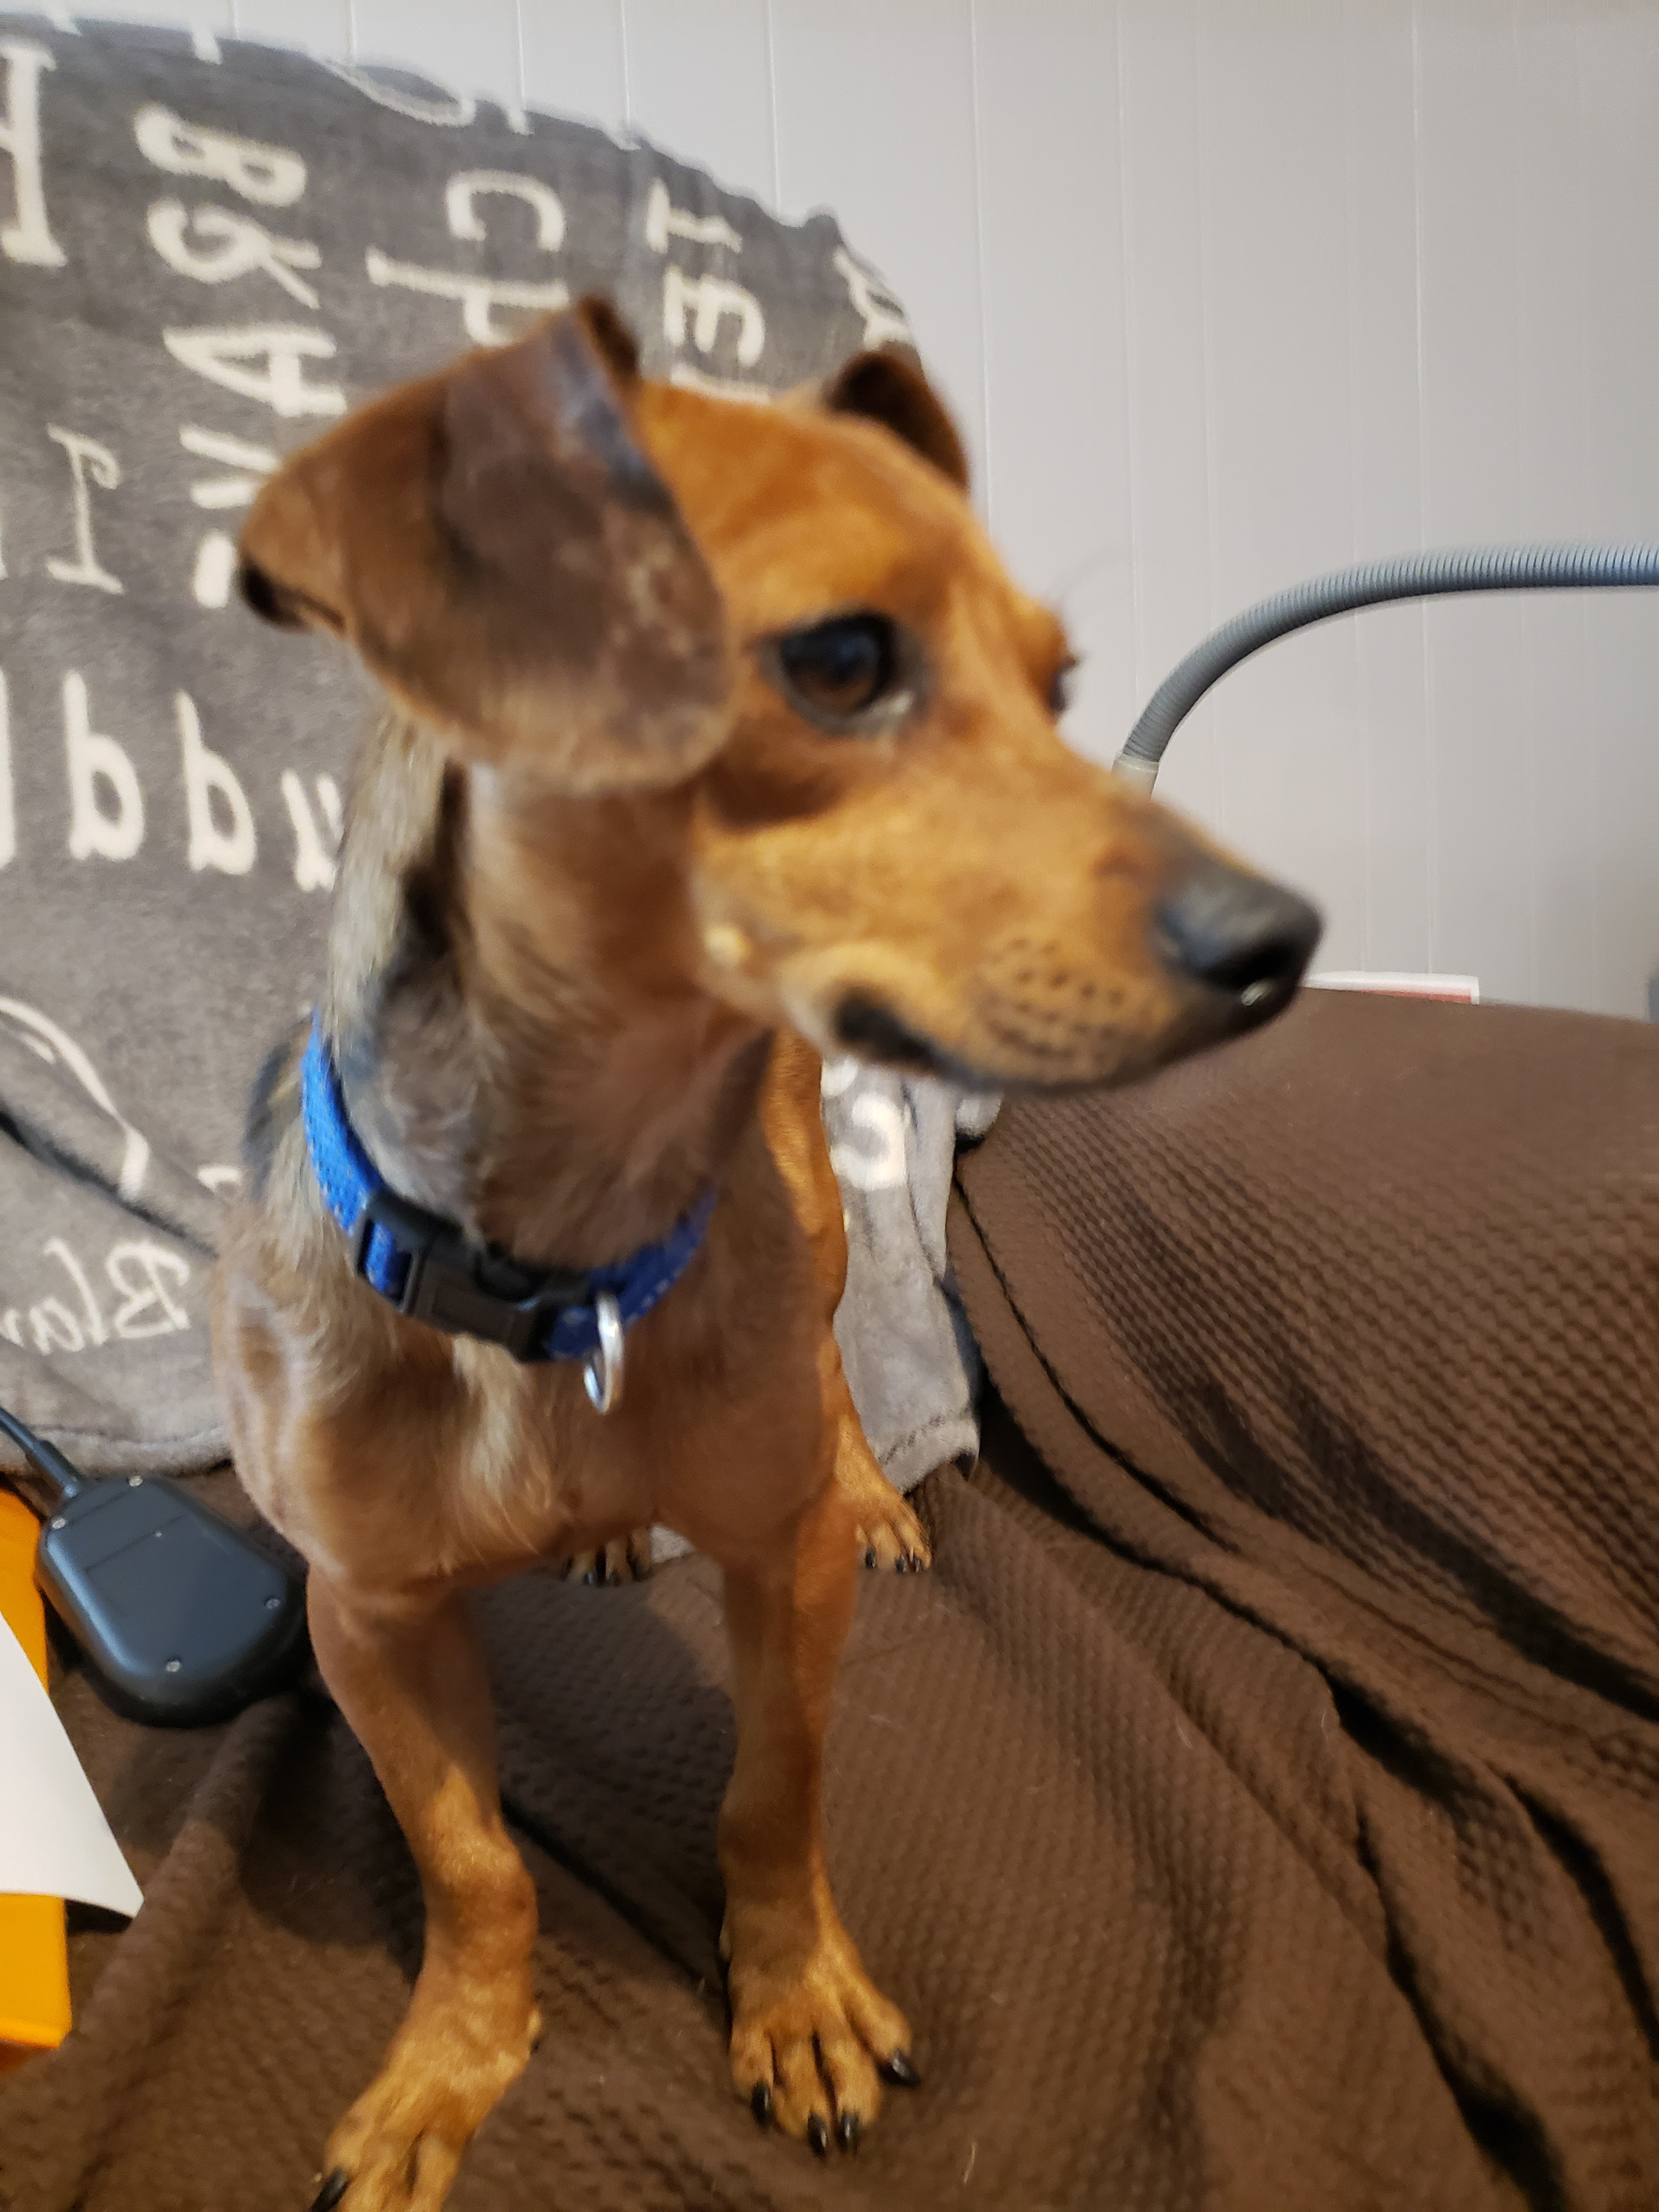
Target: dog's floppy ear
888,387
501,553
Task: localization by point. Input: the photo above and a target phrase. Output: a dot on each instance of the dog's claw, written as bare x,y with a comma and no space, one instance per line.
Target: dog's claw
901,2067
332,2190
759,2103
848,2128
818,2136
870,1556
620,1559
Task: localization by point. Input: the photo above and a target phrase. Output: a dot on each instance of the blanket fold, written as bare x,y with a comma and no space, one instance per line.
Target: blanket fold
1349,1333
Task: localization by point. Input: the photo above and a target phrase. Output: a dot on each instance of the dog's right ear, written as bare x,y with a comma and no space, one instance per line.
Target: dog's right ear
499,550
890,387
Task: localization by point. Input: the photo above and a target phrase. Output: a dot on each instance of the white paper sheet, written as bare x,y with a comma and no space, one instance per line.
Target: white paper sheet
54,1841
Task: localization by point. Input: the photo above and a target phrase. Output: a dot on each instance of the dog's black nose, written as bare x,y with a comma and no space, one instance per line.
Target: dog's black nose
1236,932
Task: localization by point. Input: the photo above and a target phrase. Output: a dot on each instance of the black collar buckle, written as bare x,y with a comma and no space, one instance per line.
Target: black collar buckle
465,1288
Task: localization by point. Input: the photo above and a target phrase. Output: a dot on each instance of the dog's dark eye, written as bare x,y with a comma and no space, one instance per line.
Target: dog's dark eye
840,670
1059,688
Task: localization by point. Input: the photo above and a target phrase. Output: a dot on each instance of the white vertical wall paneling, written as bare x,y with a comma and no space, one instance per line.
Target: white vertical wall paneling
701,84
1614,740
1170,474
210,15
1379,181
1279,430
1471,247
573,58
471,45
875,115
321,27
1561,863
1051,224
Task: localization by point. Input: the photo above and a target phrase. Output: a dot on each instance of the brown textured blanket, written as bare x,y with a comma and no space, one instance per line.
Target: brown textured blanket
1258,1806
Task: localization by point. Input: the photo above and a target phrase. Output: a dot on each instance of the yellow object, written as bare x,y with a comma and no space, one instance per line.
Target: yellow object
34,1997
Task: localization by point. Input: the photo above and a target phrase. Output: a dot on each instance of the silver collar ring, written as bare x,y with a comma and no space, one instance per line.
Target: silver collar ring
602,1370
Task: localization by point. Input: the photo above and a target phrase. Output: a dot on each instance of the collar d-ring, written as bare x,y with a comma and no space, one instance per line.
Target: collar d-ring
602,1370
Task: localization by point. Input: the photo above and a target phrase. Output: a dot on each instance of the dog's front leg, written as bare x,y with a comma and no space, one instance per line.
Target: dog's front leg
811,2034
411,1681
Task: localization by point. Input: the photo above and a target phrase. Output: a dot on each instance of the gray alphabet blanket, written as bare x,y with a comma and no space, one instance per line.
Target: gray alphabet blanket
206,255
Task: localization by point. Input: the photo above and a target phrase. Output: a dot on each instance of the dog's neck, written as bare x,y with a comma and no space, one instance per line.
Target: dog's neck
515,1004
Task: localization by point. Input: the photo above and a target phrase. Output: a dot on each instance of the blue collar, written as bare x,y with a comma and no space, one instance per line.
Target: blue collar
429,1270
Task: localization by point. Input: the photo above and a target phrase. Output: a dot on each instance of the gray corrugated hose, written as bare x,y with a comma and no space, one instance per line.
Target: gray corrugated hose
1408,576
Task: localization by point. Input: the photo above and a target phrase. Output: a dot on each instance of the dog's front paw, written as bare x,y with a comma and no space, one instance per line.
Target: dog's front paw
888,1536
810,2051
623,1559
399,2148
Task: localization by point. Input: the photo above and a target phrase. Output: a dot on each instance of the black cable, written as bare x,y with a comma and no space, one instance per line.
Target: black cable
1407,576
62,1479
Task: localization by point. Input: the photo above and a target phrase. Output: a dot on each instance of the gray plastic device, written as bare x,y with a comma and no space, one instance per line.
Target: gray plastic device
181,1619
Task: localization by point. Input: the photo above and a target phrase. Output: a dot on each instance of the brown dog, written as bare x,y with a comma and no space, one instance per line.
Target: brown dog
716,728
